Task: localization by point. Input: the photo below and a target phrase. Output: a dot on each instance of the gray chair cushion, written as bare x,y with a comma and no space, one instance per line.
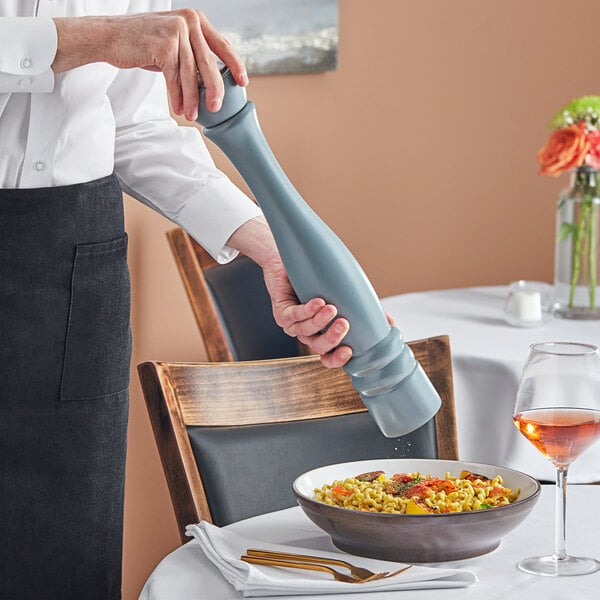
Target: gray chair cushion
249,470
244,307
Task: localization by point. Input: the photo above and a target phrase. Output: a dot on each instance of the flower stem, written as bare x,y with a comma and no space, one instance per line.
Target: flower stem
578,235
583,235
592,249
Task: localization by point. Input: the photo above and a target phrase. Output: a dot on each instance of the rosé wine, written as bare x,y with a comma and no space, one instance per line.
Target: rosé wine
560,434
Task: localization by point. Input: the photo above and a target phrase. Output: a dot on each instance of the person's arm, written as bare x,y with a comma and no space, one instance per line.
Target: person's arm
169,168
180,44
183,185
304,321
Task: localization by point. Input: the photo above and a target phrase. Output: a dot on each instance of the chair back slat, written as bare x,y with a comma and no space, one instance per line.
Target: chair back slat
262,392
191,259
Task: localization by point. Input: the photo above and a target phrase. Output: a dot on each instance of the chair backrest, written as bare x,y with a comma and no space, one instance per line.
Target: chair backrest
230,303
233,436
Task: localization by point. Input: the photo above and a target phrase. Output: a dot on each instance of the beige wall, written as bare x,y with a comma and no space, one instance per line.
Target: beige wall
419,151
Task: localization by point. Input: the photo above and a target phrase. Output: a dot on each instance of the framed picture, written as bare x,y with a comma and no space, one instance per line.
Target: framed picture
276,36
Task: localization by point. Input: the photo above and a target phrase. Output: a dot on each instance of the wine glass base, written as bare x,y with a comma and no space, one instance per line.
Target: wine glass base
552,567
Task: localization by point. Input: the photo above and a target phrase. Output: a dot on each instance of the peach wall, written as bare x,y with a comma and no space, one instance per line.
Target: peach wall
419,151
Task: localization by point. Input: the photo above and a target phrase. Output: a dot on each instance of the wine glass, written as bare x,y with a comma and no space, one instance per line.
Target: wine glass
558,411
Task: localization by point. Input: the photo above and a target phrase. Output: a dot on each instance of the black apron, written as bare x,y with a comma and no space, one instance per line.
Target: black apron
65,347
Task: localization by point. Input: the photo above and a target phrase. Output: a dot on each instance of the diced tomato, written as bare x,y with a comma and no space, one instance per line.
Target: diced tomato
441,485
420,489
432,482
497,491
339,492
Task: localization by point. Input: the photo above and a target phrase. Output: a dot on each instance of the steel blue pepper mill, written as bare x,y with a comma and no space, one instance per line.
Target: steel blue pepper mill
383,369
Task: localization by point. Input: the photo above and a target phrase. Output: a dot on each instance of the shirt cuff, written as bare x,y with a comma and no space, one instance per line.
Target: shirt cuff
212,222
27,49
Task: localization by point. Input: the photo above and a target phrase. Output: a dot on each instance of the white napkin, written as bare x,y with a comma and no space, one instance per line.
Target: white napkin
224,548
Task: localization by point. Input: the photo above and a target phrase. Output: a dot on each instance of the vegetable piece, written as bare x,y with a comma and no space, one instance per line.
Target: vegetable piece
498,491
339,492
397,488
421,489
472,476
440,485
416,508
371,476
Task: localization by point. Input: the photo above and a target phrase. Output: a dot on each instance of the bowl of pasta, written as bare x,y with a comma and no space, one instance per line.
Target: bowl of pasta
416,510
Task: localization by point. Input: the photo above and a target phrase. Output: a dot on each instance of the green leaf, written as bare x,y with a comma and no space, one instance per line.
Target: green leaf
566,231
585,109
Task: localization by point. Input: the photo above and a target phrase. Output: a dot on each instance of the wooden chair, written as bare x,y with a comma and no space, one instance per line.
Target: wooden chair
233,436
230,303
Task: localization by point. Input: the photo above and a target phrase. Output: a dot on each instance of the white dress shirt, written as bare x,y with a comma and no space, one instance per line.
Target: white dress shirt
94,120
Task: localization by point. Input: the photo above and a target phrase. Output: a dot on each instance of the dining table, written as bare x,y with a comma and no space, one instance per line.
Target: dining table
488,355
187,574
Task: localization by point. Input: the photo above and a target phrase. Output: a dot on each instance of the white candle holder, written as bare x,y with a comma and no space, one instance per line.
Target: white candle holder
528,303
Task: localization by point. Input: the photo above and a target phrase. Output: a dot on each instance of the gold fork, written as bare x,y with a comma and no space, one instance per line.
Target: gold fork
272,562
357,572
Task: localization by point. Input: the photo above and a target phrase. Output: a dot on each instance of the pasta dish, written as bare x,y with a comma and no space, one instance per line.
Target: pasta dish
414,493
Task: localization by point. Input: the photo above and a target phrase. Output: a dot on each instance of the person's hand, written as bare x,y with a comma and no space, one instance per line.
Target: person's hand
179,43
306,322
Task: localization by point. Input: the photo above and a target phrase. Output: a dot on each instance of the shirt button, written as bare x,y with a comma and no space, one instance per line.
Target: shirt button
24,82
26,63
39,165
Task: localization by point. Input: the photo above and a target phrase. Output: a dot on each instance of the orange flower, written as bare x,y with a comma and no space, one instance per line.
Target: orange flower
593,158
565,150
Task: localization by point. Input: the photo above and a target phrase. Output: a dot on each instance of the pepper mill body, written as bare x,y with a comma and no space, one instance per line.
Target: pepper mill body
391,383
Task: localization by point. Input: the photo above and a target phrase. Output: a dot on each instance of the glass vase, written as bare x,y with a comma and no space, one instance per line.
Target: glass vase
576,263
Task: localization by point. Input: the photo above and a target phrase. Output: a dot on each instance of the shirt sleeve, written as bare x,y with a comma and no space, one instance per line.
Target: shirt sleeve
169,168
27,49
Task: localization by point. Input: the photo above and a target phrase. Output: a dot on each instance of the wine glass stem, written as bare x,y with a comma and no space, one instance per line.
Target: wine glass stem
560,552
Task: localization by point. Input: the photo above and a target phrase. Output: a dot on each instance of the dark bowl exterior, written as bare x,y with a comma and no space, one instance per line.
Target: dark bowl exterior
417,538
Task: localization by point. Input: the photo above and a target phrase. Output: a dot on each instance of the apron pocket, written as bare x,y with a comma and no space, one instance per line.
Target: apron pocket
98,342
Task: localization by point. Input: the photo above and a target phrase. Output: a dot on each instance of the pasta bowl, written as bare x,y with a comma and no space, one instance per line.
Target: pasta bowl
444,536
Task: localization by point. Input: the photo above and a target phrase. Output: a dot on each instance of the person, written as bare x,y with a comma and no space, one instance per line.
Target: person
84,114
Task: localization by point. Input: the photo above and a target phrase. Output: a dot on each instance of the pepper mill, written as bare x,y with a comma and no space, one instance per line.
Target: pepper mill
383,369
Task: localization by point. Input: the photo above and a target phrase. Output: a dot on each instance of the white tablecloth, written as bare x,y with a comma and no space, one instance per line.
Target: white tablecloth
186,574
487,358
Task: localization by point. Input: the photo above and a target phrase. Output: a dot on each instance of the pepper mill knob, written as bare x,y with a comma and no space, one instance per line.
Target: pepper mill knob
233,101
